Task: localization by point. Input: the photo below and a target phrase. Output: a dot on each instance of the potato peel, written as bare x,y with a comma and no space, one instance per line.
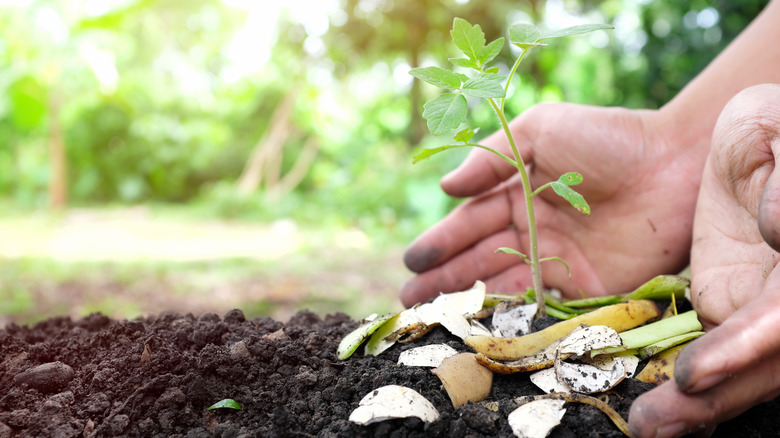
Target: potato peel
352,341
464,379
660,368
620,317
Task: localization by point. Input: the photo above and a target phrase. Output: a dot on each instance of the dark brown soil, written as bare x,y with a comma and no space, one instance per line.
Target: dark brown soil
156,376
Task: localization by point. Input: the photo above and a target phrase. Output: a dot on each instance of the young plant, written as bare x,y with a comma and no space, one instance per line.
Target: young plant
449,111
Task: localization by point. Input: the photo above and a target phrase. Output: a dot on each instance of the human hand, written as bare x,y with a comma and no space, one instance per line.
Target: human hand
735,279
640,179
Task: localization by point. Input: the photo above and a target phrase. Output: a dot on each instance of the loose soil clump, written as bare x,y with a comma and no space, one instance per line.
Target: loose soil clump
156,377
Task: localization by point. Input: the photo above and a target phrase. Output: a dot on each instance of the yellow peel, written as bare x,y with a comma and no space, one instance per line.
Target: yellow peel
622,316
660,367
464,379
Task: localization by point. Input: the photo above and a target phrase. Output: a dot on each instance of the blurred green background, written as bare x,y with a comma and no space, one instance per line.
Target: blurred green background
202,155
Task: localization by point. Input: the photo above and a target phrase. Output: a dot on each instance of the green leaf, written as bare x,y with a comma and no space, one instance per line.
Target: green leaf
226,403
574,198
505,250
482,87
469,39
525,35
463,62
492,76
445,112
492,70
437,76
574,30
465,135
429,152
491,51
570,179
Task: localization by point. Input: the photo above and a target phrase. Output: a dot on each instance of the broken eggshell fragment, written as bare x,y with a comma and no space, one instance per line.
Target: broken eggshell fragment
586,338
426,356
467,302
393,401
512,320
537,418
464,379
588,379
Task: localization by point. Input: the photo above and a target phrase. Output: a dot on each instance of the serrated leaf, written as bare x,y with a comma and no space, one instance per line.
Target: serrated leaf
445,112
463,62
574,198
574,30
465,135
491,51
226,403
429,152
482,87
570,178
492,76
469,39
437,76
524,34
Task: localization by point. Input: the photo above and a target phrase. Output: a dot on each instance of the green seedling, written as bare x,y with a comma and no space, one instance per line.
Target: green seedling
449,111
228,403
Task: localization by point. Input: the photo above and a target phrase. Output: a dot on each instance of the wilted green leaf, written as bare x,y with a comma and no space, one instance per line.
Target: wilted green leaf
226,403
505,250
574,30
661,287
574,198
469,39
445,112
465,135
437,76
483,87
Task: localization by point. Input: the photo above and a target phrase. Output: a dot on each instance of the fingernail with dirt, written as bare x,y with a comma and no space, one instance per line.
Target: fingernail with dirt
412,294
421,259
688,370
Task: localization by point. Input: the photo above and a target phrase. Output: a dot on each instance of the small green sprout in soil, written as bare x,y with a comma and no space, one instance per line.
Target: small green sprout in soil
449,111
228,403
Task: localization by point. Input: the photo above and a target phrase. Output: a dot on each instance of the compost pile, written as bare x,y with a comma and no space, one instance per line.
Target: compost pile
157,376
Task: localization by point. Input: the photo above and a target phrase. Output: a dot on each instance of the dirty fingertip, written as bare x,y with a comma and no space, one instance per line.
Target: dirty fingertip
411,293
420,259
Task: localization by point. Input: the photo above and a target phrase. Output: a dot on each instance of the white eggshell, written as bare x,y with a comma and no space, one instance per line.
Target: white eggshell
537,418
393,401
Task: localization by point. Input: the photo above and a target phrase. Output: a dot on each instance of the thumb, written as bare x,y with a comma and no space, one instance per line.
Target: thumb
769,211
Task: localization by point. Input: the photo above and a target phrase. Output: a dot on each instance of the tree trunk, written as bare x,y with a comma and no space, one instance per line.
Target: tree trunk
58,181
266,151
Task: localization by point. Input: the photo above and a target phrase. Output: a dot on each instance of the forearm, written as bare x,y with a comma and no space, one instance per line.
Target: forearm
752,58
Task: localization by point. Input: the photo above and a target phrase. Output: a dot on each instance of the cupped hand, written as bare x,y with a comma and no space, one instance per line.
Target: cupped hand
639,180
735,279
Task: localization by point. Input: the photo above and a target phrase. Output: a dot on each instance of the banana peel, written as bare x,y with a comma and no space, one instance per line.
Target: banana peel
660,367
621,317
